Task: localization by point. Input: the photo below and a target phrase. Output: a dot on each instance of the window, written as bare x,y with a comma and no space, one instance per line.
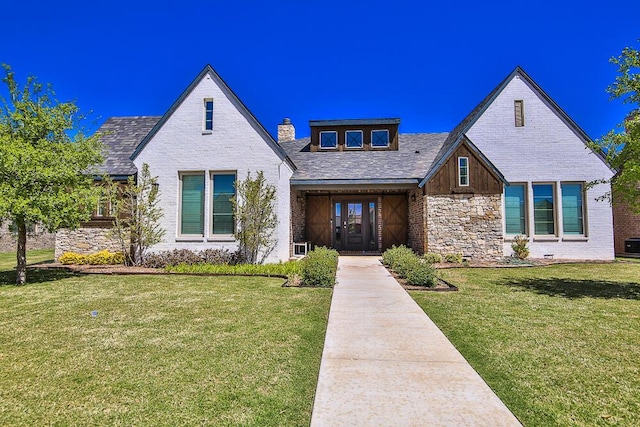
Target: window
543,209
223,189
572,209
518,106
208,115
514,209
353,138
192,204
328,139
103,207
463,171
380,138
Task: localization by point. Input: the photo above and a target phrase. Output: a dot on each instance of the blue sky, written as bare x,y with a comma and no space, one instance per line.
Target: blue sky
428,63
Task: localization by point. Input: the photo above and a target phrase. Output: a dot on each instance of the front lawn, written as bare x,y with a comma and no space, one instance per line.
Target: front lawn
158,350
560,345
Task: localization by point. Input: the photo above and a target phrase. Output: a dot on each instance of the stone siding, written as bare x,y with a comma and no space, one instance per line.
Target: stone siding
38,240
298,217
417,220
85,241
467,224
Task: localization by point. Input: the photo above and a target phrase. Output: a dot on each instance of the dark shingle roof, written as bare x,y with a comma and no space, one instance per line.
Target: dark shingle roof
414,158
121,136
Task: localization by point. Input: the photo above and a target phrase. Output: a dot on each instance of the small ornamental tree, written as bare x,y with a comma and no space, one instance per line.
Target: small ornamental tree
46,162
254,205
134,206
622,148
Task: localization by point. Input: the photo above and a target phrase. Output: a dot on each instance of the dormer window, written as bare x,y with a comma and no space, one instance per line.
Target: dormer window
463,171
353,138
208,115
328,139
380,138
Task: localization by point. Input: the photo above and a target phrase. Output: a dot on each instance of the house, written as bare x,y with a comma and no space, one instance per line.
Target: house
517,164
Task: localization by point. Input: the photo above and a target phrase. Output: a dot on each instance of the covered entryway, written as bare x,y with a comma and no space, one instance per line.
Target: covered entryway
356,222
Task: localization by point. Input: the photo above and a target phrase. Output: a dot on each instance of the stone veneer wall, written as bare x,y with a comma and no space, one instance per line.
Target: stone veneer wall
86,241
39,240
417,220
467,224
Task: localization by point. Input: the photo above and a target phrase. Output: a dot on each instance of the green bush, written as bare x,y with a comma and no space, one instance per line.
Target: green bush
422,274
319,267
103,257
519,246
406,262
454,258
391,256
432,257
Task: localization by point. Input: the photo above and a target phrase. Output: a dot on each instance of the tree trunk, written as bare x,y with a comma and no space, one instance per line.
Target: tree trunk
21,269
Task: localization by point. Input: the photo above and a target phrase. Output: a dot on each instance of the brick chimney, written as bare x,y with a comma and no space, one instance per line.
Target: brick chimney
286,131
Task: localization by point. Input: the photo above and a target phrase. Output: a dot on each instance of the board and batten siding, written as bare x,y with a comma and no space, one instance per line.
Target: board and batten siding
233,146
545,150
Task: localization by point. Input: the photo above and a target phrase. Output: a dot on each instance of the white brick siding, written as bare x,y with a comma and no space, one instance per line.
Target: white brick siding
545,149
233,145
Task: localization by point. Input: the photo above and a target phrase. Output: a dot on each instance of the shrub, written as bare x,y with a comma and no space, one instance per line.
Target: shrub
454,258
103,257
406,262
422,274
391,256
519,246
432,257
319,267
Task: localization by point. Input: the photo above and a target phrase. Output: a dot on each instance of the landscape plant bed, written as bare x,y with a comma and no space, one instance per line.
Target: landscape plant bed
441,286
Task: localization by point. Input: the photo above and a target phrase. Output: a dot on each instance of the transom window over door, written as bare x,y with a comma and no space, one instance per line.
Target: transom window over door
223,221
192,204
328,139
353,138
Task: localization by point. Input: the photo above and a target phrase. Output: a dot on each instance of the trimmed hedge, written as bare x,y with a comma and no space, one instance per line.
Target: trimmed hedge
188,257
319,267
409,266
103,257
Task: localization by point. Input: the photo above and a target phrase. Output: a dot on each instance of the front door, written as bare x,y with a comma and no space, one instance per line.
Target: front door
355,225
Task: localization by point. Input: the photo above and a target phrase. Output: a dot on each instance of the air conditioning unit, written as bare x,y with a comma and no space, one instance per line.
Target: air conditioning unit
632,246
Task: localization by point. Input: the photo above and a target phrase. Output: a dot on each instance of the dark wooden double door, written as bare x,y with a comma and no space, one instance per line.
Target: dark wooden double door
351,223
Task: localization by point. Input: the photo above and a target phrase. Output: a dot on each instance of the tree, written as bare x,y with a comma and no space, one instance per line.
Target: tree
622,148
136,223
45,162
255,210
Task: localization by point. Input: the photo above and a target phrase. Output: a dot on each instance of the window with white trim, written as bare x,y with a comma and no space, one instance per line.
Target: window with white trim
329,139
192,204
208,115
353,138
223,190
463,171
380,138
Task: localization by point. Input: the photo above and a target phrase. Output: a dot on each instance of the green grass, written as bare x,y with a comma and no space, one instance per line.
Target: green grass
162,350
560,345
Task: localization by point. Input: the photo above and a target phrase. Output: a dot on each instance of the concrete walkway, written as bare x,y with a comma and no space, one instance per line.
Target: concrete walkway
386,363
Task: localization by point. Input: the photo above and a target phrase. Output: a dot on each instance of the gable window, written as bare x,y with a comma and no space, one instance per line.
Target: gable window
543,209
518,106
353,138
223,190
572,209
514,209
328,139
380,138
192,204
463,171
208,115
